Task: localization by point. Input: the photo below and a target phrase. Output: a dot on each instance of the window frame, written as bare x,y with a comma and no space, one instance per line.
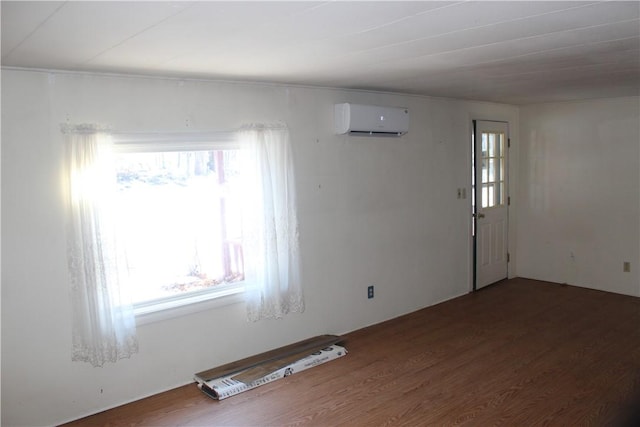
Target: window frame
191,302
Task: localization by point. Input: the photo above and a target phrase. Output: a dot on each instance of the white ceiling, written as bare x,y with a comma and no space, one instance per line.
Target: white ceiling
516,52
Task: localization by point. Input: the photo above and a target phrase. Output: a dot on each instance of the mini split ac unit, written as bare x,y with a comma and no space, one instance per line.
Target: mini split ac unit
371,120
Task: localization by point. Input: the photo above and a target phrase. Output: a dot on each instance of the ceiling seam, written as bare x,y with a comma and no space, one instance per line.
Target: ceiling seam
388,24
473,28
461,68
396,61
528,38
191,4
28,36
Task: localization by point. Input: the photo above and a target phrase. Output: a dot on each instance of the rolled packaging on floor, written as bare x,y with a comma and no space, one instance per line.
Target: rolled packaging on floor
227,386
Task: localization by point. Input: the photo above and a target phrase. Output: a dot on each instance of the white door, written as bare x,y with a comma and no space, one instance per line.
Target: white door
490,202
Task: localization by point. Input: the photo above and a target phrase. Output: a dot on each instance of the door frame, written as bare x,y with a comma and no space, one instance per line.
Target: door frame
472,205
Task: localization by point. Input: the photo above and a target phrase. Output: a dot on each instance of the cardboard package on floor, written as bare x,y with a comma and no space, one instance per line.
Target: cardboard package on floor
227,386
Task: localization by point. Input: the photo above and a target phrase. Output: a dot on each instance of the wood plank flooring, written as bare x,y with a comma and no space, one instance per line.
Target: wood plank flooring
518,353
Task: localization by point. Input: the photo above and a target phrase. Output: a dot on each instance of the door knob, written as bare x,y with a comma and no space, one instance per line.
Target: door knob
480,215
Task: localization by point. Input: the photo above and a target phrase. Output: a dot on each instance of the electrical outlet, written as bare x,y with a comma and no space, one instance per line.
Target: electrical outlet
626,267
370,292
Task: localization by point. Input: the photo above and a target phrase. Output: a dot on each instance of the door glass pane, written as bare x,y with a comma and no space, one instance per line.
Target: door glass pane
492,172
491,193
485,171
492,145
485,196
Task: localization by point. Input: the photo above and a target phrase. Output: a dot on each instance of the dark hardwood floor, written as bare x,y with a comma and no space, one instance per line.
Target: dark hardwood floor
518,353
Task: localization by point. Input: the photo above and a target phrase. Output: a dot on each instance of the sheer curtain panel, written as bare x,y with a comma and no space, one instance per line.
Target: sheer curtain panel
273,286
103,321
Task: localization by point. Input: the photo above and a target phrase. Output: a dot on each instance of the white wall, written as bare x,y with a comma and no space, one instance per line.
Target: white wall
372,211
579,194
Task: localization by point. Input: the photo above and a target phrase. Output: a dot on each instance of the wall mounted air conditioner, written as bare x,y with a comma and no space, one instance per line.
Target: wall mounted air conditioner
371,120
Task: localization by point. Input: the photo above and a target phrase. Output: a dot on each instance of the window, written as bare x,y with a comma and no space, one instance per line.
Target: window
202,216
174,227
492,177
179,223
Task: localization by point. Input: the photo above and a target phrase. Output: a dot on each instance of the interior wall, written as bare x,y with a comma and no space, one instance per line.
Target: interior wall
381,211
579,204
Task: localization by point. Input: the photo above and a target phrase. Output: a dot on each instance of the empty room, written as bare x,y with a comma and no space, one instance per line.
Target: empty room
440,200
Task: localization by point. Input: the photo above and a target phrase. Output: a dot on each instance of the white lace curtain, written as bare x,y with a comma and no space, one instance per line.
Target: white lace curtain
103,321
270,224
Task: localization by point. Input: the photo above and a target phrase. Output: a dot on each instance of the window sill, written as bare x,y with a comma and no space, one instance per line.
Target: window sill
156,311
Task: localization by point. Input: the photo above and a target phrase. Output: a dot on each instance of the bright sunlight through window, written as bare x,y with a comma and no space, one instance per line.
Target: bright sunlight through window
179,224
